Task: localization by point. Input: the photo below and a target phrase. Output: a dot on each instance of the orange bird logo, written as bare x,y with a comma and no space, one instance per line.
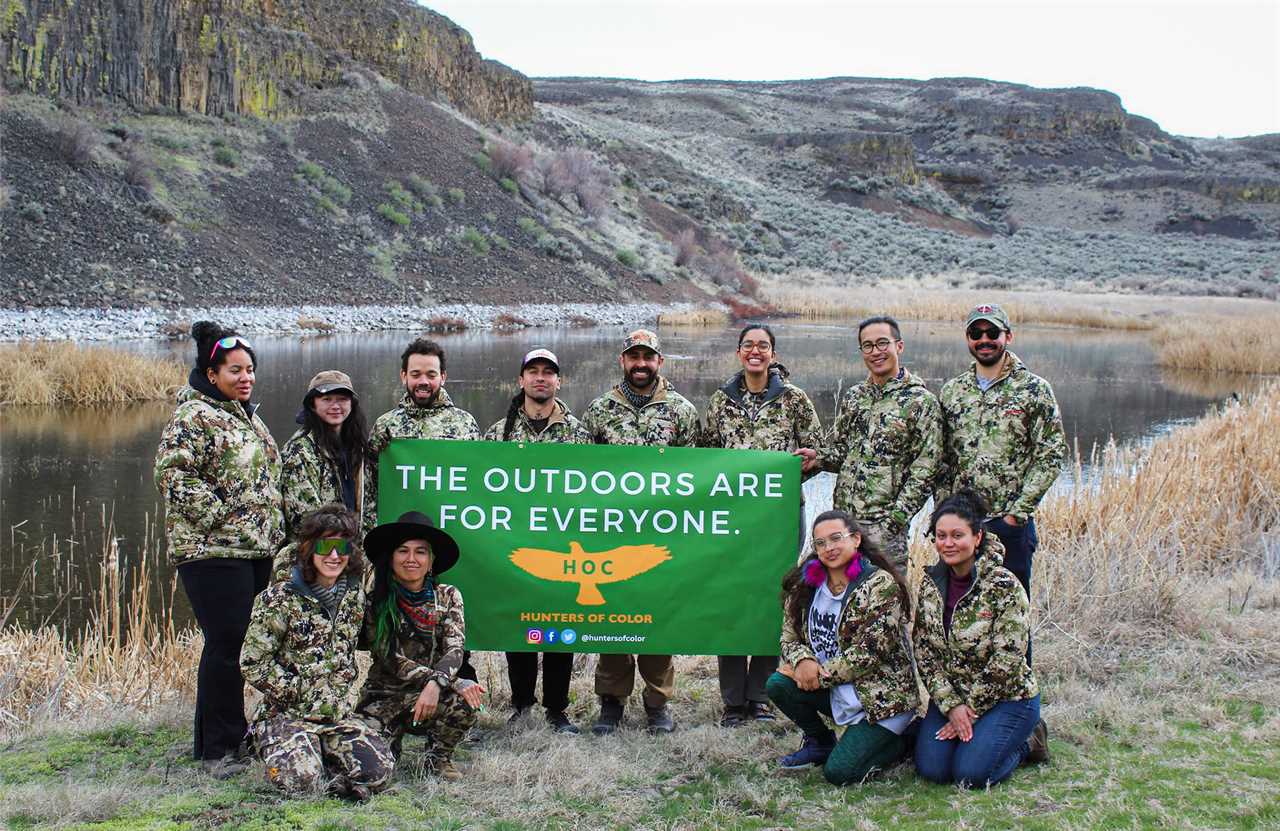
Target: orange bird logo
590,569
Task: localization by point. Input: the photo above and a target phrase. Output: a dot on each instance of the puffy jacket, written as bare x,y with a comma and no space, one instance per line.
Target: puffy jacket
302,660
785,421
218,472
415,659
874,656
668,420
309,478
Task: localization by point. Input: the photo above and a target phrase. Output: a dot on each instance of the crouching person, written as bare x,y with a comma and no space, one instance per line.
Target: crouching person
971,644
414,629
845,655
300,653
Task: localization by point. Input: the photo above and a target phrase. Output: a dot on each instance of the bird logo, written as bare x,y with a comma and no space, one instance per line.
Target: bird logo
590,569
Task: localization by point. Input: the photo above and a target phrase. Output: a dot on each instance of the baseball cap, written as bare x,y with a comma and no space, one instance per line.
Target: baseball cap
540,355
990,313
642,337
331,380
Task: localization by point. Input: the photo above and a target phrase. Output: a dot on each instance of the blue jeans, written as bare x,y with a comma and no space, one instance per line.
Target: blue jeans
998,746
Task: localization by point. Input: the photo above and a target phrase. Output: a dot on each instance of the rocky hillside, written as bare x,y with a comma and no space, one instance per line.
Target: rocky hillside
261,152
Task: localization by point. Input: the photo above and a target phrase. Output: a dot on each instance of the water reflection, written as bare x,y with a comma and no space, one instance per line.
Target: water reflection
63,470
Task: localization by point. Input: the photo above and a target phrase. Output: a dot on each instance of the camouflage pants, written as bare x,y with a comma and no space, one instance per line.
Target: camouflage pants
391,712
894,545
305,756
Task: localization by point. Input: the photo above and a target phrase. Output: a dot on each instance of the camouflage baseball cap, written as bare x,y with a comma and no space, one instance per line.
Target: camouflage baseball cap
642,337
331,380
991,313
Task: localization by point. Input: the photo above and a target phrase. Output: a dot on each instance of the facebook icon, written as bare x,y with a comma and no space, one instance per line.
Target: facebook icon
551,635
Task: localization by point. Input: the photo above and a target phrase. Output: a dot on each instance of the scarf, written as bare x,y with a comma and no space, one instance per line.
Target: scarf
329,597
419,607
637,400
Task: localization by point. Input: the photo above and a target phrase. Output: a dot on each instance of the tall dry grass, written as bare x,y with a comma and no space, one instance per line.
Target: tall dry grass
1219,344
68,373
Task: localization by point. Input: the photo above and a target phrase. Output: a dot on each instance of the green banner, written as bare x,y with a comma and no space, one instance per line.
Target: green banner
595,548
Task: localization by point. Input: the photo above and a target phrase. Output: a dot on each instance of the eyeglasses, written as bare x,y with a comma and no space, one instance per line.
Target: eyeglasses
980,332
869,346
820,543
754,346
340,547
228,342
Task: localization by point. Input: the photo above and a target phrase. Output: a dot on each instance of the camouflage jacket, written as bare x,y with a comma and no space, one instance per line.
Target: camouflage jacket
563,427
1006,443
875,657
886,445
785,421
300,659
309,478
983,659
442,420
415,660
218,472
669,420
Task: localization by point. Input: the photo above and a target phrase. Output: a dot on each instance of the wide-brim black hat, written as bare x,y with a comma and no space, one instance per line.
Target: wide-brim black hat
412,525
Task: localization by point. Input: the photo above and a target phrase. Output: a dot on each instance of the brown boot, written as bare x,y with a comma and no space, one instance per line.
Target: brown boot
444,769
1038,744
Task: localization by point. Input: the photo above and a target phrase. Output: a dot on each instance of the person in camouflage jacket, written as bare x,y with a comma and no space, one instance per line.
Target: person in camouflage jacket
845,654
886,442
1002,436
537,415
642,410
299,653
777,415
218,470
971,635
415,637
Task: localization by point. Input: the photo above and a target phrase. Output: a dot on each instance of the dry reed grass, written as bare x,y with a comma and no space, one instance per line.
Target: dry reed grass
1237,345
694,317
68,373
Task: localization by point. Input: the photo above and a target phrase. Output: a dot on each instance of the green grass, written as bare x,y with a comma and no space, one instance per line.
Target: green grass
476,240
226,156
457,196
509,185
389,212
530,226
628,258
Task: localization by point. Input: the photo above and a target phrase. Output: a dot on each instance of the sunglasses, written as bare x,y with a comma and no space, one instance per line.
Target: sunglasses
340,547
980,332
228,342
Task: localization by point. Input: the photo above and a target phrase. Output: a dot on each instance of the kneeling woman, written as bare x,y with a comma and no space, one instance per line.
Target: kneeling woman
971,643
300,653
845,652
414,628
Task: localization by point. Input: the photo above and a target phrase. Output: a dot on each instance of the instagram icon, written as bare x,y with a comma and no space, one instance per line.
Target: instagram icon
533,636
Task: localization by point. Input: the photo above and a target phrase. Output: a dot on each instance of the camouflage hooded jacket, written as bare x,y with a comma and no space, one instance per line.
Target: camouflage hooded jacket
414,659
668,420
874,651
785,419
441,420
302,660
886,444
982,660
1006,443
562,428
218,472
309,478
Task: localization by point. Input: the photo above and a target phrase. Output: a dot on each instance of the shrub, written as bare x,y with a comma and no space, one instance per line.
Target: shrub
530,226
315,324
402,197
170,142
226,156
446,324
424,188
311,171
326,204
506,320
457,196
510,161
575,171
388,212
509,185
139,172
32,212
685,244
628,258
482,161
76,142
501,241
335,189
475,239
561,249
578,321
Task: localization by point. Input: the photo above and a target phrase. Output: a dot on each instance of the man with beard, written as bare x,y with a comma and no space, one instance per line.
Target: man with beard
642,410
1002,437
425,412
886,442
537,415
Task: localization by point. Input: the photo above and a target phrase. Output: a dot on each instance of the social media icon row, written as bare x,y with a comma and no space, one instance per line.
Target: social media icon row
551,636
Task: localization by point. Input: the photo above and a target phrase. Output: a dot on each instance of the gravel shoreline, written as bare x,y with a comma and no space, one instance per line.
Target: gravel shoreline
130,324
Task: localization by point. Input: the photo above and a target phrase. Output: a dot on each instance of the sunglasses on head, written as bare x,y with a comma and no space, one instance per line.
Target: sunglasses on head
980,332
228,342
340,547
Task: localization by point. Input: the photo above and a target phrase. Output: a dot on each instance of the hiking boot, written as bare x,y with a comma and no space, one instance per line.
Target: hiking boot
610,716
560,723
812,752
658,719
444,769
1038,744
759,711
733,716
224,768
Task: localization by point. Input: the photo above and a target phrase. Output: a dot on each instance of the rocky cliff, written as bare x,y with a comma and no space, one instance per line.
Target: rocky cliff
245,56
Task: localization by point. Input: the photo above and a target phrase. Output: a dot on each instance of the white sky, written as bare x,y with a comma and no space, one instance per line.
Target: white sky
1197,68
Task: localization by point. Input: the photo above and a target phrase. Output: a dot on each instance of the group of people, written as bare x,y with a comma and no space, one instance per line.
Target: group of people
852,644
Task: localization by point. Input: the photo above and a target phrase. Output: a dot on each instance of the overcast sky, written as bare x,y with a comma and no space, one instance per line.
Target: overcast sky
1197,68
